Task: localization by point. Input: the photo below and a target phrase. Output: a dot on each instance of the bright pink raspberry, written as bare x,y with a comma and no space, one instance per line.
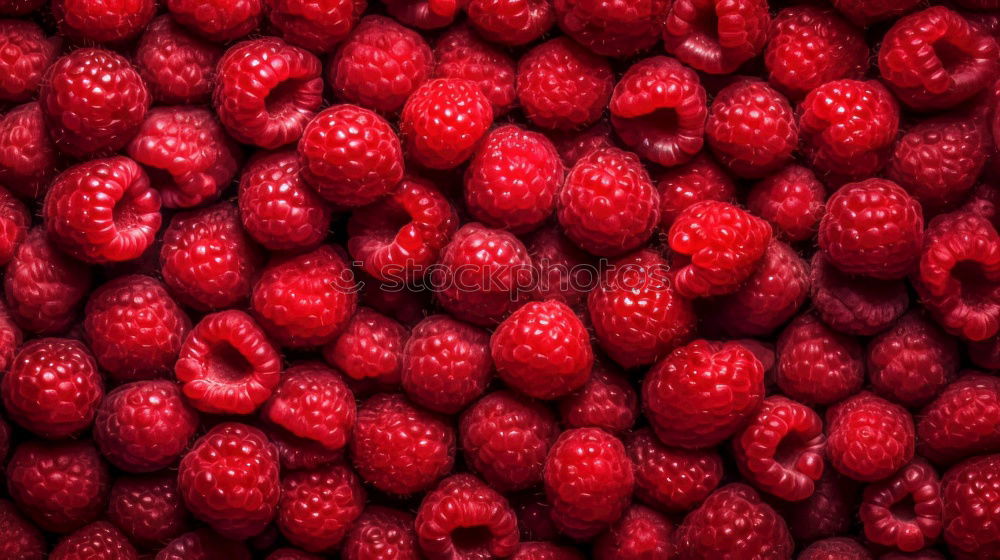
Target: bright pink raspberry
317,25
370,347
606,401
838,548
318,506
14,223
267,91
969,490
446,364
904,511
869,438
791,200
313,402
640,533
854,304
218,20
103,22
562,86
460,53
443,121
463,518
668,478
830,511
227,365
751,128
203,544
28,158
697,180
22,540
964,420
148,509
613,28
564,272
97,540
177,66
381,531
27,53
866,12
733,522
912,361
650,89
510,22
716,36
817,365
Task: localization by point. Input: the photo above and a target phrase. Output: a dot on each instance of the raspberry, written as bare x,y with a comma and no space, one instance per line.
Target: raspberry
483,274
460,54
229,479
104,22
144,426
399,448
964,420
733,523
218,20
28,52
935,59
97,540
370,347
869,438
658,109
562,86
588,481
985,353
94,102
847,127
716,36
574,144
534,519
545,551
716,247
510,22
751,128
671,479
637,316
854,304
317,507
817,365
443,120
505,438
829,511
640,533
10,339
606,401
317,25
203,544
148,509
177,66
297,453
465,519
20,7
305,300
44,288
904,511
810,46
926,554
291,554
697,180
612,28
28,159
608,205
969,490
446,364
227,365
312,402
423,14
14,224
563,270
791,200
865,12
380,64
267,91
912,361
513,179
22,540
400,237
207,260
839,548
61,486
381,531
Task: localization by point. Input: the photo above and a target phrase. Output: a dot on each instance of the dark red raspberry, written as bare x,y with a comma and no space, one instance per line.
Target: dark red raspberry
400,237
446,364
267,91
27,53
207,260
810,46
668,478
229,479
218,20
904,511
28,158
963,421
751,128
984,353
463,518
511,22
148,509
104,22
505,438
10,339
574,144
854,304
312,402
866,12
716,36
606,401
733,523
545,551
318,506
970,490
926,554
22,540
144,426
564,272
203,544
608,204
699,179
315,25
716,247
588,481
562,86
640,533
613,28
847,127
227,365
94,101
14,223
370,347
912,361
534,519
791,199
869,438
381,532
839,548
399,448
20,7
297,453
292,554
443,121
97,540
460,53
177,67
830,511
424,14
817,365
61,486
380,64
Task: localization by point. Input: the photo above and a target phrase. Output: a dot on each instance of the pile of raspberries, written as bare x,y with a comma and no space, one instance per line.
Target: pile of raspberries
524,279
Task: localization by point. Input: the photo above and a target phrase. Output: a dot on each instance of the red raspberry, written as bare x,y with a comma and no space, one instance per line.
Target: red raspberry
313,402
104,22
869,438
505,438
297,453
817,365
671,479
574,144
94,101
267,91
564,272
847,127
463,518
350,156
608,205
791,199
545,551
317,25
443,121
716,247
227,365
830,511
460,53
399,448
637,316
44,288
751,128
866,12
511,22
613,28
606,401
144,426
640,533
424,14
733,523
400,237
912,361
446,364
203,544
810,46
904,511
218,20
370,347
28,52
697,180
14,223
28,159
562,86
781,449
380,65
229,479
854,304
839,548
381,532
716,36
963,421
588,481
10,339
969,491
22,540
61,486
177,66
97,540
148,508
318,506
